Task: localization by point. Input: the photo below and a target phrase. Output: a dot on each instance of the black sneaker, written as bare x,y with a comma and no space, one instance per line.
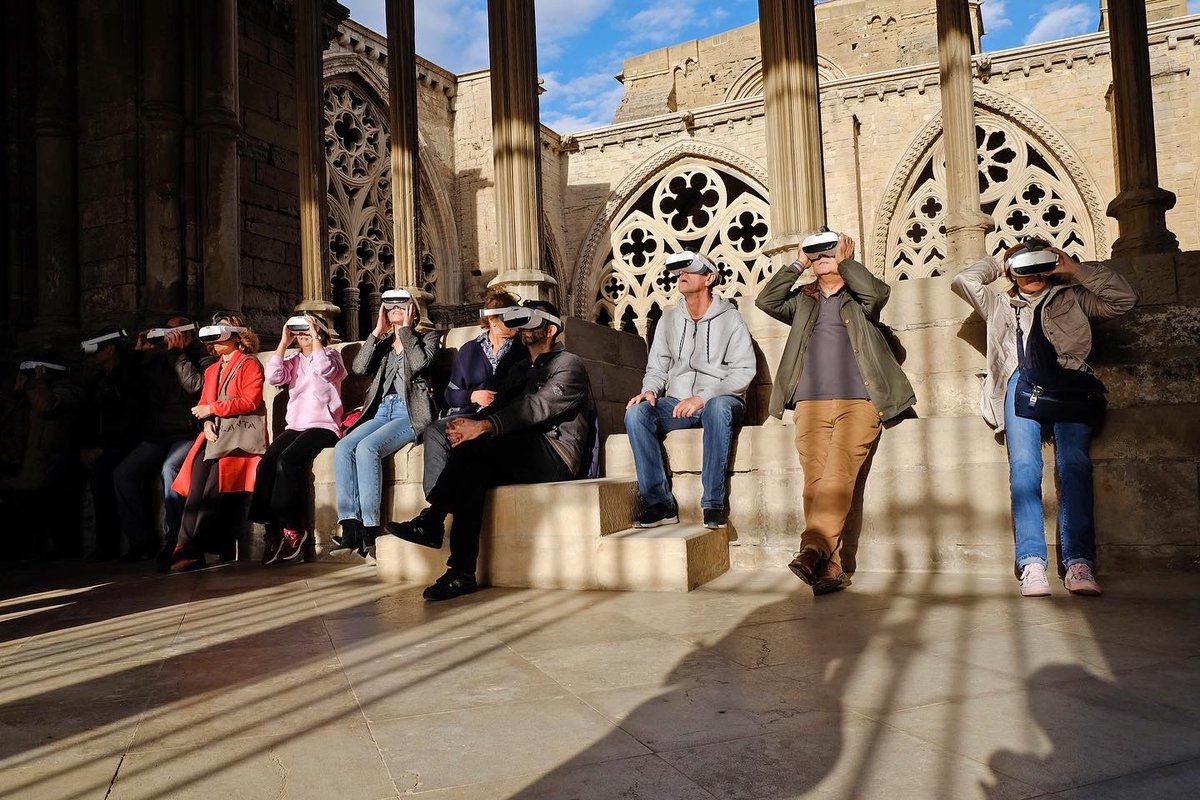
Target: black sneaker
425,529
714,518
652,516
452,584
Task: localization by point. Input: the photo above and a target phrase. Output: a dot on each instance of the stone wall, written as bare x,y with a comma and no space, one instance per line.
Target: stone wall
270,187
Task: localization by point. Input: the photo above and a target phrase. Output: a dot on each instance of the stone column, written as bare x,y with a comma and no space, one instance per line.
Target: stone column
162,147
516,150
217,129
791,97
316,289
1141,205
966,224
55,133
402,122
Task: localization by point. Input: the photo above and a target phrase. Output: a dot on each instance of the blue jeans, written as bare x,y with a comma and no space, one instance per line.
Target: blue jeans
1073,471
647,424
172,500
358,460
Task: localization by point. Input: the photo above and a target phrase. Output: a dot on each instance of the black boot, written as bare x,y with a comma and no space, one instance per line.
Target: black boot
427,529
351,538
368,539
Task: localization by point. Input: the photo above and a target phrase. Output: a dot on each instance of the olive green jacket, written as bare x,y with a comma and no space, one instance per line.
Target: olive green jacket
864,298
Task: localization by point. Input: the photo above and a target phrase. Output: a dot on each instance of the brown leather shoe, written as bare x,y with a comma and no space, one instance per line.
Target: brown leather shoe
831,578
806,564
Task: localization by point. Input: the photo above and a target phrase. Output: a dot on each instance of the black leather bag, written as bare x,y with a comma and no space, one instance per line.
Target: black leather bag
1048,392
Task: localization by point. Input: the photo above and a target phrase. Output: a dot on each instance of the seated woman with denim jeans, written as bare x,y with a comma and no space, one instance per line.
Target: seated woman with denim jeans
1062,302
397,408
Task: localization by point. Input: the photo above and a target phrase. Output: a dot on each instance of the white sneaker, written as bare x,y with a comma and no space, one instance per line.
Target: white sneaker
1079,580
1034,582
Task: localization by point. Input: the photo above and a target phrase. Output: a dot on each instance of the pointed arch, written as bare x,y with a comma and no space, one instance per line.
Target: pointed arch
598,244
750,82
1031,181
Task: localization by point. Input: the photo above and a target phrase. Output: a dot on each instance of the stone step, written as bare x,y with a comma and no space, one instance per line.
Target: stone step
570,535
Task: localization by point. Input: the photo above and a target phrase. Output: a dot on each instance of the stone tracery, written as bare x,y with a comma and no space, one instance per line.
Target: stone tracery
691,206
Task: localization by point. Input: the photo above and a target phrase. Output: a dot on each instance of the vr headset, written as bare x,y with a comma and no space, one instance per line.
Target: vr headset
496,312
31,366
528,319
90,346
303,324
1035,259
158,334
394,298
820,242
687,261
218,333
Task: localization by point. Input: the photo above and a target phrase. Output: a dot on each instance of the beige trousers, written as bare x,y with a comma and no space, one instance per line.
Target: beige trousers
833,439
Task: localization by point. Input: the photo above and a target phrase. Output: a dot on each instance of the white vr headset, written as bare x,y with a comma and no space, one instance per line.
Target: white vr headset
161,333
92,345
1032,262
303,324
820,242
529,318
687,261
219,333
30,366
396,297
496,312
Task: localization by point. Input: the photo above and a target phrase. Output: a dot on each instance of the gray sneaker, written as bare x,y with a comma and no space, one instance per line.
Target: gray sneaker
1034,582
1079,580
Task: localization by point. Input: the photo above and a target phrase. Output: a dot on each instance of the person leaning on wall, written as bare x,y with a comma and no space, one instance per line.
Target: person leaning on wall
842,381
1041,326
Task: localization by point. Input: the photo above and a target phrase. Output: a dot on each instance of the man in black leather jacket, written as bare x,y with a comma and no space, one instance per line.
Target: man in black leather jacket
536,431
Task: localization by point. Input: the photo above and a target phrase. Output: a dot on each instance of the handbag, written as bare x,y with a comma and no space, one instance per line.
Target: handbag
245,434
1048,392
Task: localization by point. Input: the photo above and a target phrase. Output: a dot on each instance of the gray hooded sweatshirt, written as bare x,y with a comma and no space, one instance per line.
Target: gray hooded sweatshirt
706,358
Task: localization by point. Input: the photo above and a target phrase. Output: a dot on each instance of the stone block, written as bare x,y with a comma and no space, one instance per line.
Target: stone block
1152,275
921,301
1147,504
678,558
1148,433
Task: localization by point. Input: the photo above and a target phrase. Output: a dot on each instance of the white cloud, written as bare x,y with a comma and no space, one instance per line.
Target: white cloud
1063,20
664,21
453,33
585,101
995,16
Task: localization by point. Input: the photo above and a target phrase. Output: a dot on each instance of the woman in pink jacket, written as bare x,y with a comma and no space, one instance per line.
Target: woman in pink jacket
313,377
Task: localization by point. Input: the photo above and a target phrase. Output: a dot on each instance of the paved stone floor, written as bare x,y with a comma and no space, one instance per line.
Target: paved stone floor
316,681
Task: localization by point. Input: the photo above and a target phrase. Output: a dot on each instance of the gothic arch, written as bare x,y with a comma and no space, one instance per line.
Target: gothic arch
1031,181
596,246
750,82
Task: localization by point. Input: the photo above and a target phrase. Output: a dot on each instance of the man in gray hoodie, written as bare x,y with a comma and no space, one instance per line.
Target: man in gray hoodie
700,364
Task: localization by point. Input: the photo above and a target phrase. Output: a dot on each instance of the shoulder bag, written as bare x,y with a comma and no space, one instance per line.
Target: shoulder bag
245,434
1049,392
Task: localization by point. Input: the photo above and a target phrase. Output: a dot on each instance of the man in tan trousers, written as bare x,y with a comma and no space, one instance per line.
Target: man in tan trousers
842,381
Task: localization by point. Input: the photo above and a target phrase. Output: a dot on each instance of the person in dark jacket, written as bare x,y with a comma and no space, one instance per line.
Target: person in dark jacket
173,365
114,402
840,378
535,431
397,409
478,372
40,486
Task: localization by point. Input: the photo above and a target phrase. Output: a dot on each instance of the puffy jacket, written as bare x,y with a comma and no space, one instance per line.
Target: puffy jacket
552,395
862,302
707,357
1095,293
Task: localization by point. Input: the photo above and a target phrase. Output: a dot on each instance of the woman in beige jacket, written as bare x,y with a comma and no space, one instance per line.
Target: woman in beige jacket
1063,301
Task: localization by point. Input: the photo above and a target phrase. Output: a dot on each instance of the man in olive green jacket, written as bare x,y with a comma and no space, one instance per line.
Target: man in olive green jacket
842,381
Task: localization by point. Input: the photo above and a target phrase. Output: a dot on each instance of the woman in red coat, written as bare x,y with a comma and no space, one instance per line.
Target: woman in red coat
238,375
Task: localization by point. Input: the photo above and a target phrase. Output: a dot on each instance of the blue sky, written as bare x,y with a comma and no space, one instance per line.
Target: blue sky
582,43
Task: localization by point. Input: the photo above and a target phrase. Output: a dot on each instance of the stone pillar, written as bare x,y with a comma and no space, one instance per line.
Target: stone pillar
402,122
55,134
966,224
162,147
217,129
791,97
516,150
316,290
1141,205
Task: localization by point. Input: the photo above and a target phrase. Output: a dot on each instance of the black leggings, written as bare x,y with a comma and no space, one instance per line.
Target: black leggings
207,526
283,477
